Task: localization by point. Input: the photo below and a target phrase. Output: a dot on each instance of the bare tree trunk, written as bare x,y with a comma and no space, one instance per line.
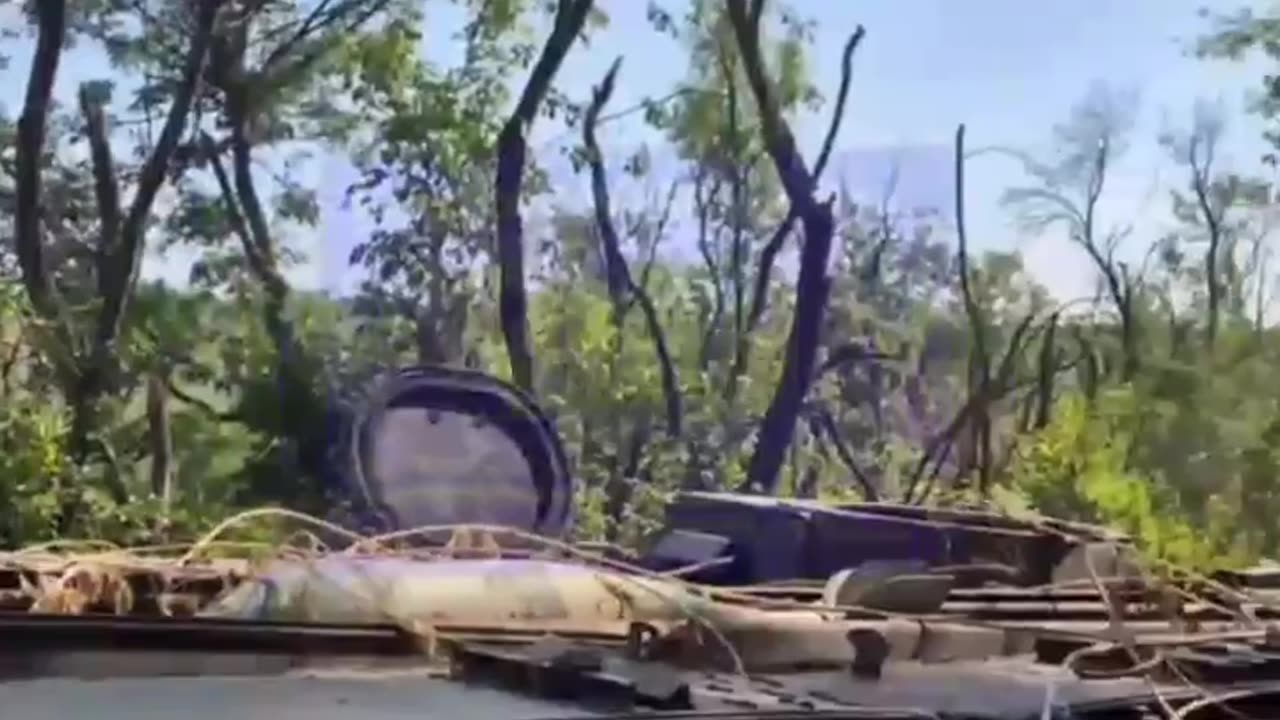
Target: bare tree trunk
813,285
1201,180
513,303
248,220
121,233
240,198
702,195
1047,366
240,193
427,340
978,448
160,437
622,286
768,255
431,324
32,127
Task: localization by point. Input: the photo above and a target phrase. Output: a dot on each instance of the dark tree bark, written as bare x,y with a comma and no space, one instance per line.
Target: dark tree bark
623,288
813,285
1077,208
706,187
32,127
122,232
1201,184
769,254
979,376
160,437
825,424
243,108
513,303
1047,365
247,95
122,256
302,413
1114,273
1004,381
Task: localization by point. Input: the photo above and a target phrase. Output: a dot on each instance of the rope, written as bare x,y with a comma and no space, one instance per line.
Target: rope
670,586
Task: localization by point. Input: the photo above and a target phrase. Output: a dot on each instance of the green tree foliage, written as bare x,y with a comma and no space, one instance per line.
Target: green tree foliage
1080,466
135,410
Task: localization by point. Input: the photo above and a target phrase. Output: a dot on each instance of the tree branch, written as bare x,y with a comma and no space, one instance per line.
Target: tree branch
736,164
262,259
160,437
974,313
850,353
1001,385
154,171
702,207
980,363
204,406
1044,385
32,126
617,275
769,254
813,284
513,302
828,425
120,254
617,272
659,230
229,204
274,73
106,191
1201,177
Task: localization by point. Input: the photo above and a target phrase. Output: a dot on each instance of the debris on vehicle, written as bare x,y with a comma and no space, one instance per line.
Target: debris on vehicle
742,606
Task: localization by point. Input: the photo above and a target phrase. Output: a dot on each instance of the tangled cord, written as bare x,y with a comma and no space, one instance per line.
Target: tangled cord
670,587
1145,669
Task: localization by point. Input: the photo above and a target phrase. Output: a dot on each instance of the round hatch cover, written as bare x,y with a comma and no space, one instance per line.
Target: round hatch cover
437,446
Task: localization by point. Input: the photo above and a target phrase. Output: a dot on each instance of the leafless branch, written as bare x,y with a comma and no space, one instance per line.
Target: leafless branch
980,363
828,425
813,284
1069,193
999,387
513,302
769,254
623,288
154,171
1200,152
32,126
659,231
702,208
106,192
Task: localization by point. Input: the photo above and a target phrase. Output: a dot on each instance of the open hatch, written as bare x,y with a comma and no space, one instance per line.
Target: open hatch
436,446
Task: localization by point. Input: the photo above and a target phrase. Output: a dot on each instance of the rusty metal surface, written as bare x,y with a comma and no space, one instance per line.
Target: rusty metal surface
103,646
469,607
997,689
1001,688
992,652
948,672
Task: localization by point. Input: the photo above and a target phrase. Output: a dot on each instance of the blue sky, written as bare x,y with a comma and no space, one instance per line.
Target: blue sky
1009,69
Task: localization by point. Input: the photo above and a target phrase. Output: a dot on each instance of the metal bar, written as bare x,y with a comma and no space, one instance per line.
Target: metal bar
23,632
